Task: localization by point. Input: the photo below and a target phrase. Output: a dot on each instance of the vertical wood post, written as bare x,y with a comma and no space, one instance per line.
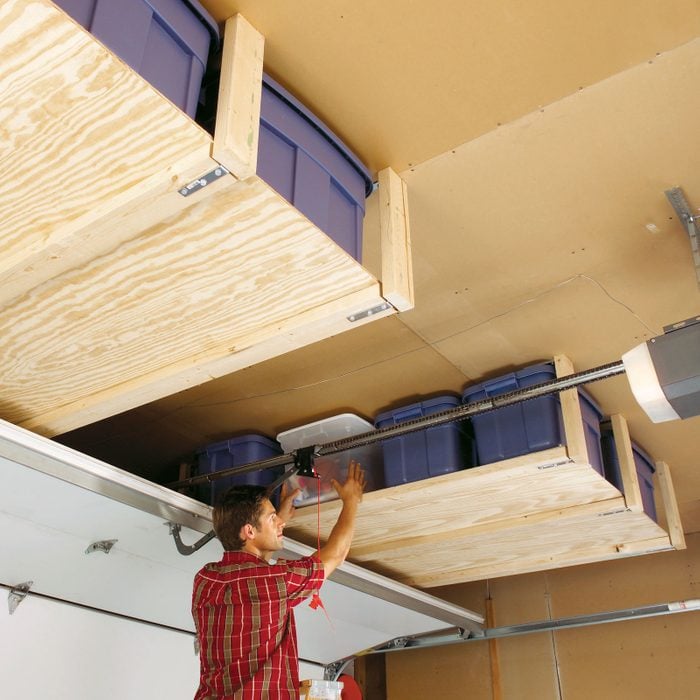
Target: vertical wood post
625,458
395,236
668,497
571,414
494,658
240,91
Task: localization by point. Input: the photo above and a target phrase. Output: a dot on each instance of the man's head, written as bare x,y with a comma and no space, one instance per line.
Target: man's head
245,518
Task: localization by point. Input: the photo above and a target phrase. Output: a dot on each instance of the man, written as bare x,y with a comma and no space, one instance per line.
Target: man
242,605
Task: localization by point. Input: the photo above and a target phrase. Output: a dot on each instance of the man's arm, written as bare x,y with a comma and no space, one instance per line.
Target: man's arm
333,553
286,510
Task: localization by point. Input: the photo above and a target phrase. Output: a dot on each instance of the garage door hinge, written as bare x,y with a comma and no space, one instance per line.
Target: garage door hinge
101,546
17,595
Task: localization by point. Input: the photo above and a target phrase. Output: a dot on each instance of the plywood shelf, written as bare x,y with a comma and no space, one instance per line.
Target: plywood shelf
541,511
116,289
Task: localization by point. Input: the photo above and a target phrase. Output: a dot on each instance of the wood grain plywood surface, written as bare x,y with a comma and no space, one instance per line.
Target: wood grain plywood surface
482,496
565,539
189,289
546,540
116,289
78,130
499,510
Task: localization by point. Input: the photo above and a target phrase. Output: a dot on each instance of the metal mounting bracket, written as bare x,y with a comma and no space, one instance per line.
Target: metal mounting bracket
200,182
187,549
303,466
304,459
101,546
332,671
683,211
17,595
368,312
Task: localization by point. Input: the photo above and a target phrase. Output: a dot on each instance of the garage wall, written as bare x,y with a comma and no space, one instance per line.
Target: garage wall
655,657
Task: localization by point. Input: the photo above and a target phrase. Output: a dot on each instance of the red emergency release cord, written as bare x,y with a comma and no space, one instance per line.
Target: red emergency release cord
316,601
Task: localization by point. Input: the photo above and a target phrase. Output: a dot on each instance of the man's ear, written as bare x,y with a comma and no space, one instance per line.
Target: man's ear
247,532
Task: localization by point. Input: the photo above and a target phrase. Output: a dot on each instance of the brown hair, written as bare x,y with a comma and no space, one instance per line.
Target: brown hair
239,506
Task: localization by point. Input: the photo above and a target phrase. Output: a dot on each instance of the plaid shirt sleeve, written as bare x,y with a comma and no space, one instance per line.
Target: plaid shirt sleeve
303,577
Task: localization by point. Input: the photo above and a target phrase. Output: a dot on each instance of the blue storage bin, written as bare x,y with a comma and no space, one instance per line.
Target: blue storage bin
530,426
165,41
428,452
644,466
301,158
236,452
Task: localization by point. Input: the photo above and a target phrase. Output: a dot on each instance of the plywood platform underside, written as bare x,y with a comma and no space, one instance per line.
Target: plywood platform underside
490,521
540,511
116,289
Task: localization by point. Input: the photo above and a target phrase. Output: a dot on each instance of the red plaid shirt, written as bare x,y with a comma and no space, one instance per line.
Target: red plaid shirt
242,608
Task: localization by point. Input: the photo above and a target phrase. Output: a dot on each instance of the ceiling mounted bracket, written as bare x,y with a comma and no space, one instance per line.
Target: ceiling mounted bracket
304,458
17,595
683,211
303,465
200,182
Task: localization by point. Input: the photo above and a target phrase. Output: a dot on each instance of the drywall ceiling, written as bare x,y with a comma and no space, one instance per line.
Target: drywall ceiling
537,141
404,81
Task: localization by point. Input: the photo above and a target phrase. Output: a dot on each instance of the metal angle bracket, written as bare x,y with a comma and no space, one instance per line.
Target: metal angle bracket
368,312
554,464
187,549
617,511
17,595
200,182
683,211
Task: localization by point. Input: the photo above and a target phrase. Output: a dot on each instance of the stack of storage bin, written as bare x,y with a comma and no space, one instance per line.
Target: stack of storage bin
236,452
530,426
504,433
427,452
643,463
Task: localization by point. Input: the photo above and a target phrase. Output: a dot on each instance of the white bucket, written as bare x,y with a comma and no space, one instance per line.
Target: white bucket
321,690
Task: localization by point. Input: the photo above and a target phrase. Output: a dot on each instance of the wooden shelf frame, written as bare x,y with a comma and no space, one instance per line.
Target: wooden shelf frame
541,511
118,290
